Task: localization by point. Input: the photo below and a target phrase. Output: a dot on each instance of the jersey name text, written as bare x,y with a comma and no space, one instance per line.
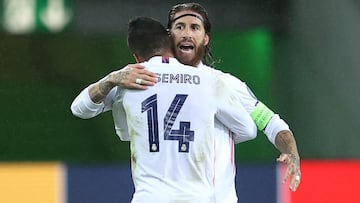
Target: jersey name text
178,78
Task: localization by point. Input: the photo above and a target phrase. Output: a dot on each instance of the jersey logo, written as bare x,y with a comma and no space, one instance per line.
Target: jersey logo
165,59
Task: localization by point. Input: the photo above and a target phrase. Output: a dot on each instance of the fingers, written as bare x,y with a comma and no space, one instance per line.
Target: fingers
137,86
295,182
282,158
287,173
143,80
139,69
148,78
134,76
136,65
293,170
295,179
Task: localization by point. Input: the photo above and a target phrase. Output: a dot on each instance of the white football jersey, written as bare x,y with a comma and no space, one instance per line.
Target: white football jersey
171,129
225,166
83,107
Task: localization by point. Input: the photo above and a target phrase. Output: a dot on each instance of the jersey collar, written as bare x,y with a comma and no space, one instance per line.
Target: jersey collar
163,59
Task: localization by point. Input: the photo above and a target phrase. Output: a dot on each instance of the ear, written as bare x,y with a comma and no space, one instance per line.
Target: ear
206,39
137,58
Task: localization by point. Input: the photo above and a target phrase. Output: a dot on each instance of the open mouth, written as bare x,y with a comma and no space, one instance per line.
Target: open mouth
186,47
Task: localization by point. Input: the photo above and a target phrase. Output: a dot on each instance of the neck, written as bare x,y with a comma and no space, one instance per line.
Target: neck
168,54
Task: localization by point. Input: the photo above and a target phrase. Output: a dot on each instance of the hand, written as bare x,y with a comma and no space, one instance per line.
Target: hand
293,170
134,76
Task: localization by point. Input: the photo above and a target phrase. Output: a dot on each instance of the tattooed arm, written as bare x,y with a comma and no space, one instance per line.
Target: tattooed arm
286,144
98,97
124,78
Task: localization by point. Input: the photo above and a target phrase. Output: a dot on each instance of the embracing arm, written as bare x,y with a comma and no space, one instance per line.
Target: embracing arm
286,144
124,78
98,97
232,113
275,128
84,107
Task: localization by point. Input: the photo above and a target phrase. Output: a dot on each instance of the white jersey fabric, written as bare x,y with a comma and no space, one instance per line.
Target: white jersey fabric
225,167
171,129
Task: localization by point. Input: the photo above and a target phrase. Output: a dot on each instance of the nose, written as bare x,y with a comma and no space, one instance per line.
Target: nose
187,38
186,34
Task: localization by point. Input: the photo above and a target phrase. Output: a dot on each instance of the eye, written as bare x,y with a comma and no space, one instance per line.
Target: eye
179,27
195,27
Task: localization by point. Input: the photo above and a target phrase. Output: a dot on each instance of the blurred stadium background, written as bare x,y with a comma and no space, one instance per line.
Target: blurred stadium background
301,58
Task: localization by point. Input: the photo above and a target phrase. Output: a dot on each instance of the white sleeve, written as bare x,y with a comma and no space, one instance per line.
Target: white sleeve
275,125
243,92
249,101
120,120
233,115
84,107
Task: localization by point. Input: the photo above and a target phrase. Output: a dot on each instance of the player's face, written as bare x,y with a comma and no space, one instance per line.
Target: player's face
189,38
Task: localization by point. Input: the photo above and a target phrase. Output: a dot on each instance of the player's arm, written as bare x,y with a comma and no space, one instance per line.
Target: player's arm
232,114
132,76
286,144
84,107
265,119
98,97
275,128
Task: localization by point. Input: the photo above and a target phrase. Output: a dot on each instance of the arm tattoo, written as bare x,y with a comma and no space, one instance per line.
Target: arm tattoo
105,86
122,77
285,142
100,90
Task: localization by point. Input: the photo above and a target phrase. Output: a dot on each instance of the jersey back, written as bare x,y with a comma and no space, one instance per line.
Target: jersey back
171,129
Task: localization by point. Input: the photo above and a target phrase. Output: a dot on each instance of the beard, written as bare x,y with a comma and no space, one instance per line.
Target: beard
193,57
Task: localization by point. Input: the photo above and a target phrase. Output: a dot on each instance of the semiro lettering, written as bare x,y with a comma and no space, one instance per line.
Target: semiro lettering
178,78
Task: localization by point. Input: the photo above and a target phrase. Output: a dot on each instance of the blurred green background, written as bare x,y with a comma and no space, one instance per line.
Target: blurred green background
299,58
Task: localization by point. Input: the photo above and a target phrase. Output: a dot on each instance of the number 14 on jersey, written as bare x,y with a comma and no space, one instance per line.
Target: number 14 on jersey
183,135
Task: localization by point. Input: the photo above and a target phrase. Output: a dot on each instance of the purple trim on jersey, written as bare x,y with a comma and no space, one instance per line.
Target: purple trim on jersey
165,59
